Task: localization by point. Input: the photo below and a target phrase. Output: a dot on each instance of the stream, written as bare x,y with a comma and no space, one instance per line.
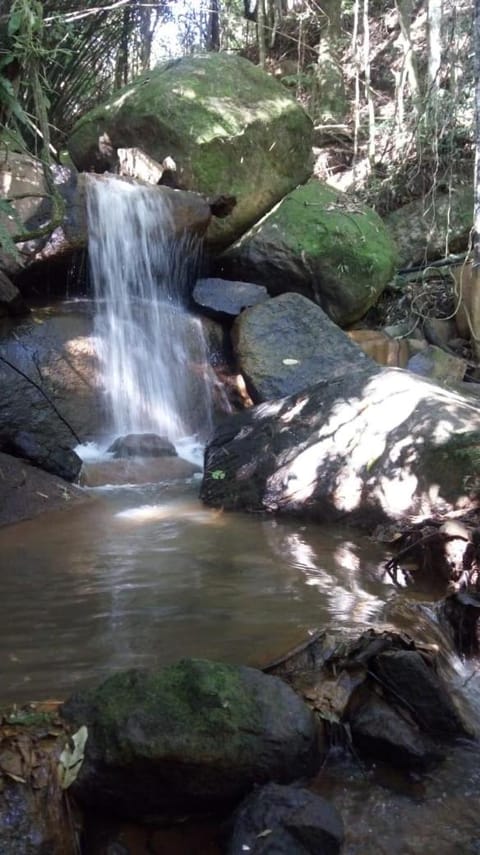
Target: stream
143,576
140,576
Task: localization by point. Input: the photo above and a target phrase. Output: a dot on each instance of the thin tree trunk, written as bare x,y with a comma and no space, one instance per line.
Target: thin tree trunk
434,39
214,25
121,66
356,109
475,304
404,10
262,55
368,91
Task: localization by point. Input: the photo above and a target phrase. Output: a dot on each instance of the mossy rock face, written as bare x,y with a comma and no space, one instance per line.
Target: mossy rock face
229,126
318,243
193,736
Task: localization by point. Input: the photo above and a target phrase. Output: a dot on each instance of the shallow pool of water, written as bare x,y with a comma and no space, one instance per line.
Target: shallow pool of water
141,577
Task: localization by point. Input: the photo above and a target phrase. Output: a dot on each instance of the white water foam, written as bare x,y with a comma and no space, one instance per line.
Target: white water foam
151,349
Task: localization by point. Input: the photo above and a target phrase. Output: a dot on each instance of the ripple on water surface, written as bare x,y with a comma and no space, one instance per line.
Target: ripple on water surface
141,577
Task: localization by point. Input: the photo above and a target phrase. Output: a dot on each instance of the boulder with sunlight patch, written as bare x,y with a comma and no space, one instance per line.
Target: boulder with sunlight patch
364,447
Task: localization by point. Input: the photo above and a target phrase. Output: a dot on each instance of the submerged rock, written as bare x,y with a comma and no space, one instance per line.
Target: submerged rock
317,243
276,820
140,470
192,737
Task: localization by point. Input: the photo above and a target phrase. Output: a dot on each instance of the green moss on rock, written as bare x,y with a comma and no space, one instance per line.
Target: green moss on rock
229,126
321,244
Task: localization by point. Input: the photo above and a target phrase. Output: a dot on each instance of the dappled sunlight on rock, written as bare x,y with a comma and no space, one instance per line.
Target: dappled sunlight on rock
370,446
397,493
348,493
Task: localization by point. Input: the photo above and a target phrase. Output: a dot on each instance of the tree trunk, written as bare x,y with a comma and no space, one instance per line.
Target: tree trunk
262,55
434,38
475,304
404,10
213,41
121,65
328,102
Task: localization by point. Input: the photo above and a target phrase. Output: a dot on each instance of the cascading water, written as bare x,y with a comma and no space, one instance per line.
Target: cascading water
152,350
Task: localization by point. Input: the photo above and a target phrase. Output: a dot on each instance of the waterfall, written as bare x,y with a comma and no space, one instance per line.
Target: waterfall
151,349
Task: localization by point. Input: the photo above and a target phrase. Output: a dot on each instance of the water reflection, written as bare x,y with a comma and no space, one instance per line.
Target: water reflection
142,577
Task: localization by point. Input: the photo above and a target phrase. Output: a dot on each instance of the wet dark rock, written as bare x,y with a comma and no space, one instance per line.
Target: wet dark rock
369,445
191,737
419,690
11,301
26,491
381,733
56,459
51,386
460,613
288,343
405,726
224,300
142,445
279,820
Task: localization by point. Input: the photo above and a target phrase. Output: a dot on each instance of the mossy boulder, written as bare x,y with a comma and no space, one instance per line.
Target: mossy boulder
193,736
320,244
421,227
228,125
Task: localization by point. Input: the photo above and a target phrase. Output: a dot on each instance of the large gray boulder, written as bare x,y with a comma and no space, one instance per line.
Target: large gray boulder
227,124
34,212
288,343
49,389
51,233
191,737
316,242
364,447
26,491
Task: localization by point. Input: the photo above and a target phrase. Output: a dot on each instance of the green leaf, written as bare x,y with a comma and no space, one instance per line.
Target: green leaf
6,59
218,474
15,22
